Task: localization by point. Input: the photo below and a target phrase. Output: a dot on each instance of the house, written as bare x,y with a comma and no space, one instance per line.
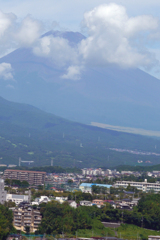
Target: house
72,203
98,202
86,203
61,199
42,199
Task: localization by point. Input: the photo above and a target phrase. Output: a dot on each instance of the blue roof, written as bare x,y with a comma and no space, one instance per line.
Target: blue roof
91,184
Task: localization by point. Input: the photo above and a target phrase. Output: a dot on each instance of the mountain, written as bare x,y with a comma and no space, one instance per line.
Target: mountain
109,95
34,135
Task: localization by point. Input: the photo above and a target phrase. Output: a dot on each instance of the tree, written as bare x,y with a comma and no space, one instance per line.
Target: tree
27,229
70,181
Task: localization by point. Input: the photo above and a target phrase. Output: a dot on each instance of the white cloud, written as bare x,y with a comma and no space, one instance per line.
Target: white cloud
116,38
6,21
15,33
28,32
113,36
6,71
56,48
73,73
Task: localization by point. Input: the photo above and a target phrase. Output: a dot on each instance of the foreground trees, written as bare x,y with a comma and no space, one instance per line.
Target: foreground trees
59,218
6,218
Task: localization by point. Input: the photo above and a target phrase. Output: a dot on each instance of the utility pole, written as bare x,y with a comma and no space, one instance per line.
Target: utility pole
51,162
19,161
122,217
142,222
29,195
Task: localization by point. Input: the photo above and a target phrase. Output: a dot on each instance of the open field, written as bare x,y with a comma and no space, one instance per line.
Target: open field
139,131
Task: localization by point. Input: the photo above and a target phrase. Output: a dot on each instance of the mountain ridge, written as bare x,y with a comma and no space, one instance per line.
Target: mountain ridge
109,95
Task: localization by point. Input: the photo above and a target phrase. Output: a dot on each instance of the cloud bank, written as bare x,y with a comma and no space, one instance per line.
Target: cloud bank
56,48
14,34
112,38
116,38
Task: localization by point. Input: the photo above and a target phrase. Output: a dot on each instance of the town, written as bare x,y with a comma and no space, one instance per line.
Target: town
25,192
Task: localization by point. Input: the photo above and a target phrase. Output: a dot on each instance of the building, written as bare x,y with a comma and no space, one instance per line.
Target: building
87,187
150,237
72,203
24,217
86,203
93,172
14,237
98,202
32,177
42,199
3,193
142,186
17,198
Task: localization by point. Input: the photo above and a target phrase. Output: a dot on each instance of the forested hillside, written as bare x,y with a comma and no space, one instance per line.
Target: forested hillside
34,135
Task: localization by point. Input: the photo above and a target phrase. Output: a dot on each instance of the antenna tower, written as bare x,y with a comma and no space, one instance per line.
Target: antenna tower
51,162
19,161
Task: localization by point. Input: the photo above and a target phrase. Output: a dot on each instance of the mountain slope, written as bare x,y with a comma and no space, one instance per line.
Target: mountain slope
34,135
107,95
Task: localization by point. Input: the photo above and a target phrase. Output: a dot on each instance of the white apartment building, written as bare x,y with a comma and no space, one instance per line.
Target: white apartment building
3,193
142,186
93,172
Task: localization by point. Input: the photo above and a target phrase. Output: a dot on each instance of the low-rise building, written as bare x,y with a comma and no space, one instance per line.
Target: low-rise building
72,203
98,202
42,199
150,237
142,186
86,203
17,198
87,187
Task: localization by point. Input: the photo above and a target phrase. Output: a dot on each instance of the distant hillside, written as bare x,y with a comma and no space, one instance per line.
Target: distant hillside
34,135
109,95
138,168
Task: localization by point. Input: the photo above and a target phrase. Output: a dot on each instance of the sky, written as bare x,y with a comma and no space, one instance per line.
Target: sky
124,32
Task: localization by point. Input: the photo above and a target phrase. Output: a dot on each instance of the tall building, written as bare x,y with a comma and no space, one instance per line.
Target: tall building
3,193
32,177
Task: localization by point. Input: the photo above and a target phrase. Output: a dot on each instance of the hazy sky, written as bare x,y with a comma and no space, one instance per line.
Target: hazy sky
123,32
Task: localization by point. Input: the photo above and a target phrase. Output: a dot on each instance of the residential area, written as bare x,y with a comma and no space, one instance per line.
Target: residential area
25,192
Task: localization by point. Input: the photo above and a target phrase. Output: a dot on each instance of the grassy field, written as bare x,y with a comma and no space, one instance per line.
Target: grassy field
125,231
128,231
139,131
